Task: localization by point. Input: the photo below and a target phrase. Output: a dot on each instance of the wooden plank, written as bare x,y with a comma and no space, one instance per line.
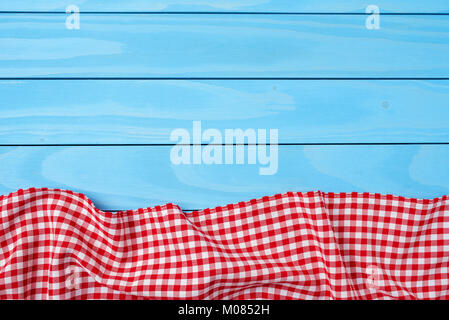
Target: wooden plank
131,177
36,45
92,112
230,5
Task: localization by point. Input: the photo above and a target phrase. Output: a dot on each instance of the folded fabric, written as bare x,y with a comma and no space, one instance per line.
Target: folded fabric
56,244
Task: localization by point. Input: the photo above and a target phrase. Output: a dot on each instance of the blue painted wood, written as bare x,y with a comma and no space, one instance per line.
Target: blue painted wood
132,177
189,45
230,5
33,45
61,112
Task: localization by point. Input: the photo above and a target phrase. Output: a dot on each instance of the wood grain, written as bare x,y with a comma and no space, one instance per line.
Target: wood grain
230,5
132,177
93,112
39,45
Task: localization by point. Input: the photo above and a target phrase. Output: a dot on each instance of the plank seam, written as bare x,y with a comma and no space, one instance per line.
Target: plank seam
234,144
231,13
222,78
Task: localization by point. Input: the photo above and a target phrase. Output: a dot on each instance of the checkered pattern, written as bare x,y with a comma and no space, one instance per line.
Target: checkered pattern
55,244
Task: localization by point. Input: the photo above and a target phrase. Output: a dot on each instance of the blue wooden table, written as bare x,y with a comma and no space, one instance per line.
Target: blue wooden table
92,109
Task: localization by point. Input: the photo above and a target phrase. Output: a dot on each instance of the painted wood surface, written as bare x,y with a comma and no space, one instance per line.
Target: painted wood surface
92,112
36,45
181,46
132,177
229,5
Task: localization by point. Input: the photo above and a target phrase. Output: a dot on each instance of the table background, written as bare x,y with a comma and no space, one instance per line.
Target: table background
91,110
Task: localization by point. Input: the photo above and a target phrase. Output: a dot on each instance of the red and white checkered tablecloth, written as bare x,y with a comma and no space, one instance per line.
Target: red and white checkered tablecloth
55,244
